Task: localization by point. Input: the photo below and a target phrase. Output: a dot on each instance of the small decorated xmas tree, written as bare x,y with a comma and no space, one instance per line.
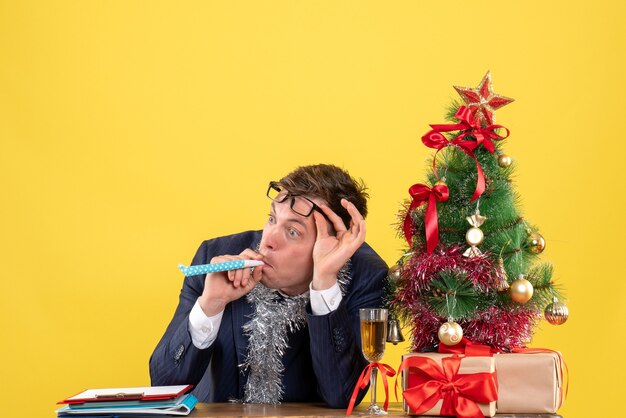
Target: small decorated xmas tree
472,265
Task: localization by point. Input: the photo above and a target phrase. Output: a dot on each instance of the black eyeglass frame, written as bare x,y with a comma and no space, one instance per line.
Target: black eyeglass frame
274,185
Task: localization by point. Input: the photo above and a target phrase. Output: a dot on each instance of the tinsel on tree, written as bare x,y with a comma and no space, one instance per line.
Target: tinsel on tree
472,268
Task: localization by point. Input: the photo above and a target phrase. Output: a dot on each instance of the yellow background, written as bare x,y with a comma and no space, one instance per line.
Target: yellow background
130,131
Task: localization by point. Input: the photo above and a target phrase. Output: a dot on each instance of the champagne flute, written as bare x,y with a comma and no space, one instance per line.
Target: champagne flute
373,338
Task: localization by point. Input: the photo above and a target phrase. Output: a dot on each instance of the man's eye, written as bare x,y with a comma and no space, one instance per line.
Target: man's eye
270,218
293,232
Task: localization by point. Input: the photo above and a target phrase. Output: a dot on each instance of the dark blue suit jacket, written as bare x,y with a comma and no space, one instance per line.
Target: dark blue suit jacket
322,363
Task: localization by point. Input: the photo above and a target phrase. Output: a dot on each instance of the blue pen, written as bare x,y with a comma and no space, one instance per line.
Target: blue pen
214,268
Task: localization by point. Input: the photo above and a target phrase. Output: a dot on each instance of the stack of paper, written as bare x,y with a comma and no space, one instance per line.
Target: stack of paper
152,400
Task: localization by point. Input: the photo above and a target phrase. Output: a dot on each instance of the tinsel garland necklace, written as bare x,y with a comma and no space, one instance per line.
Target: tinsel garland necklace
275,315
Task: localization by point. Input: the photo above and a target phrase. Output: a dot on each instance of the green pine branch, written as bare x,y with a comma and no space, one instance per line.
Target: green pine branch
453,295
544,288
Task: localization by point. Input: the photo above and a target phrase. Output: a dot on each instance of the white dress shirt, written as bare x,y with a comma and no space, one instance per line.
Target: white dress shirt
203,329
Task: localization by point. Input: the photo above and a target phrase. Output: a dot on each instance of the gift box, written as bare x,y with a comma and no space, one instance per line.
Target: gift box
444,384
529,382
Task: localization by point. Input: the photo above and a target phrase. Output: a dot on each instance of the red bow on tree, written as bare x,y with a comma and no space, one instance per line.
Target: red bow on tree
470,126
424,194
460,392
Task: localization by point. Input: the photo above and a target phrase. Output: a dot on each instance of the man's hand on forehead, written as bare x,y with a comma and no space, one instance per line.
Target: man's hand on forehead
332,251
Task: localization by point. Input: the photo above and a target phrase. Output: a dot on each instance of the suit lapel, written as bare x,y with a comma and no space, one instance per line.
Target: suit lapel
242,312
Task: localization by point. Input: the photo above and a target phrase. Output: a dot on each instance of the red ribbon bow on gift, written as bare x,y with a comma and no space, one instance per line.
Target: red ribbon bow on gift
364,379
470,126
469,348
460,392
424,194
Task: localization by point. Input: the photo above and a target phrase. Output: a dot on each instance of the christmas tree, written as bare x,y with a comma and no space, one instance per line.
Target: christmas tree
472,267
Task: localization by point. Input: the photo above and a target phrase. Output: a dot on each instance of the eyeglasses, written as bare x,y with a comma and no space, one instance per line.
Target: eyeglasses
299,204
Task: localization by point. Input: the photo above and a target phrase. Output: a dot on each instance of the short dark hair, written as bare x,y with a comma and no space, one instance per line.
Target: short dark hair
330,183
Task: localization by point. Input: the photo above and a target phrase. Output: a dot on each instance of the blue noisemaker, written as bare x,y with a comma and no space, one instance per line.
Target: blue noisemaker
217,267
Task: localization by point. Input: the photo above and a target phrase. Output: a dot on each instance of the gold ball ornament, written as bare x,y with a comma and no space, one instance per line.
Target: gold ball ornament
450,333
521,290
535,242
474,236
441,182
504,161
395,273
556,312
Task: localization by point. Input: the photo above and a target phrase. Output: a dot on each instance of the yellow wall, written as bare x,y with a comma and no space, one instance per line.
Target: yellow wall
130,131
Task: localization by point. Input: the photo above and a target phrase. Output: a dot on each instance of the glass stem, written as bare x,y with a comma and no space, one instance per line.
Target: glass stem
373,378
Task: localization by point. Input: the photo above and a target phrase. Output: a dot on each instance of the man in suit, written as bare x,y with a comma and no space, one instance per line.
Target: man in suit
287,331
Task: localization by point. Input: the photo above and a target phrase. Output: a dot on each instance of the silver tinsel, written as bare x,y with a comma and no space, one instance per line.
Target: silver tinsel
275,315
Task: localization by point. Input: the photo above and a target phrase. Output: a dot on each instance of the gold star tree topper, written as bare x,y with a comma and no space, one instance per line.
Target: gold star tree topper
483,100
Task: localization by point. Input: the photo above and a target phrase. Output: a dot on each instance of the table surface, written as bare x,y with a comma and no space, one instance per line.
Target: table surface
204,410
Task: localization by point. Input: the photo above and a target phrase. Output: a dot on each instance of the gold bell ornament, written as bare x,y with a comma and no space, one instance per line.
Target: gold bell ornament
474,236
556,312
521,290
